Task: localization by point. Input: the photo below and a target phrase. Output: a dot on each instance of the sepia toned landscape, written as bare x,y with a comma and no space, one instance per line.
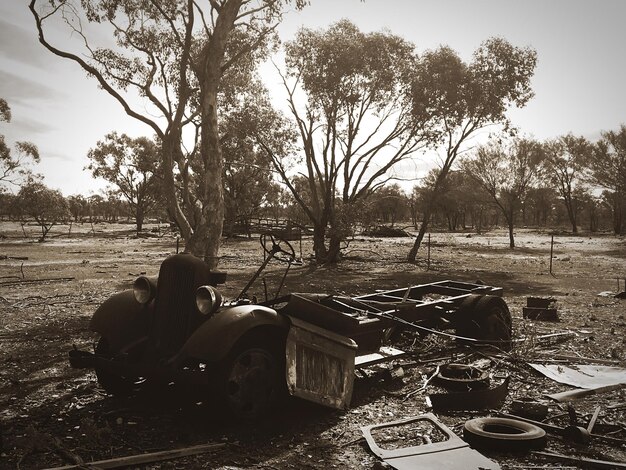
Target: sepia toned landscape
291,234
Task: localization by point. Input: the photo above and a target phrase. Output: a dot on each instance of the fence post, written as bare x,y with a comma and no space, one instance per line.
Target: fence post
551,252
428,262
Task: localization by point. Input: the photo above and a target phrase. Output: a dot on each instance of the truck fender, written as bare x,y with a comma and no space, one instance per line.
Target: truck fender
121,319
213,340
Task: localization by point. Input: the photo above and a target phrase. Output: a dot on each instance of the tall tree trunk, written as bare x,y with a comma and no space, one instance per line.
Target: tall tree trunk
334,249
319,242
510,222
571,213
205,240
428,210
170,147
619,212
511,239
420,236
139,216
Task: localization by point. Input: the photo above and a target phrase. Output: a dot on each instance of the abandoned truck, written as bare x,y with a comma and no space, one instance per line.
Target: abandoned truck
178,328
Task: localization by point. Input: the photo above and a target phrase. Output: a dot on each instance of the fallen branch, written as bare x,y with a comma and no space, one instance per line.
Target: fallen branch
22,258
582,460
352,442
576,358
32,281
551,338
146,458
68,455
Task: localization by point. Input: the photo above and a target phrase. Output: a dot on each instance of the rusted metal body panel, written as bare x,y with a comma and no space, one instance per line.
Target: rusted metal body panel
319,365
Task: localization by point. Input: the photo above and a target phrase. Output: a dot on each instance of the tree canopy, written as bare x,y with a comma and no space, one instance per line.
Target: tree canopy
174,55
131,165
462,98
507,171
14,162
353,122
47,206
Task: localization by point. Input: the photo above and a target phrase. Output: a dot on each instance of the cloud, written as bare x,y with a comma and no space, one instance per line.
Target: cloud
18,89
31,126
21,45
58,156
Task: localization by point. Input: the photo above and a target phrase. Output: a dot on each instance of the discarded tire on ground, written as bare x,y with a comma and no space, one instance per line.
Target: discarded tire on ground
462,377
503,434
486,319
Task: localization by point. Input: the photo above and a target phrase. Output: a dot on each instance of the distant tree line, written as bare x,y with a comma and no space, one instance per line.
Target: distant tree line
567,183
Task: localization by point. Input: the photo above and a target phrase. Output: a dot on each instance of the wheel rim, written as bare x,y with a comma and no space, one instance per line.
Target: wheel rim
251,383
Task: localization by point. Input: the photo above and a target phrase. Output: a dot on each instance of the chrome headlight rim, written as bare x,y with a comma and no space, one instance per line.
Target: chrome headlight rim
144,290
208,300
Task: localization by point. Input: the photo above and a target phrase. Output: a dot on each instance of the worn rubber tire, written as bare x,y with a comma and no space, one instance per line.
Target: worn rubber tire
251,379
487,320
112,383
462,377
503,434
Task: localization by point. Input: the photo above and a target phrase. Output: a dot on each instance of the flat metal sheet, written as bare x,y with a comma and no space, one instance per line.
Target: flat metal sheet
451,454
384,354
583,375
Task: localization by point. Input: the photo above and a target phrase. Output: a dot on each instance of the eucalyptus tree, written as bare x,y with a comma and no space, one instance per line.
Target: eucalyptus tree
174,56
46,206
463,98
131,165
14,162
348,97
566,162
507,172
608,170
249,183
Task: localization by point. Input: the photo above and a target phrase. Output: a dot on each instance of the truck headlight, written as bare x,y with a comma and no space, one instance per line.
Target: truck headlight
144,289
208,299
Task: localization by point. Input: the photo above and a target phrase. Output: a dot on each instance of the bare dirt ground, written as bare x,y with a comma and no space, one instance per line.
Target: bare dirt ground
47,408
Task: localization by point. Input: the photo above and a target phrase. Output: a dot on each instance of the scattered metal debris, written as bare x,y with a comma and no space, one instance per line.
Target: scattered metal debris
592,379
540,308
576,433
582,375
529,408
452,453
584,392
560,430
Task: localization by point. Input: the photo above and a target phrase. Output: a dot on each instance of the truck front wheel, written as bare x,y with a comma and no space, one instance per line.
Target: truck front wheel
252,377
112,383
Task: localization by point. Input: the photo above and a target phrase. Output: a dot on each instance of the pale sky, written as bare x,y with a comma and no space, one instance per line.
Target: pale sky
579,82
